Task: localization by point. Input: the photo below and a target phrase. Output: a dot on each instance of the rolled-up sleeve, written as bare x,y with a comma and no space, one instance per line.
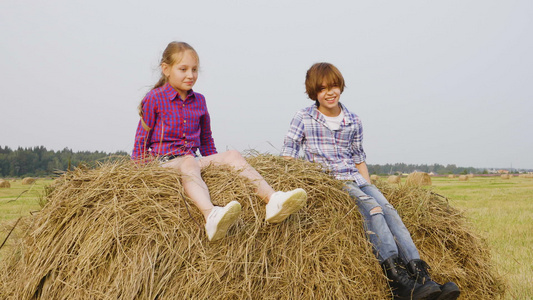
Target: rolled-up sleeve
356,148
294,138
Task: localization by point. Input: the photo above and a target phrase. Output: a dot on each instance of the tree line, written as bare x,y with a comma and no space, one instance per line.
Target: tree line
402,168
38,161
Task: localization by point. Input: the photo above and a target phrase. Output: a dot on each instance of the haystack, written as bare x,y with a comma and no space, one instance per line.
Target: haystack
4,184
28,180
394,179
506,176
451,176
128,232
418,178
470,175
463,178
374,177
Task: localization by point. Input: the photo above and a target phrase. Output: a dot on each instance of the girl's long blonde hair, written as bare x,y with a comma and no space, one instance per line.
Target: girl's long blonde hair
173,54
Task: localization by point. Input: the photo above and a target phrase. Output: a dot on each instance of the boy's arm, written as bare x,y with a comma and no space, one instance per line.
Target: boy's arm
363,170
294,137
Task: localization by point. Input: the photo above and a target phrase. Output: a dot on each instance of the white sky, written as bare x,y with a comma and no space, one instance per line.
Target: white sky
446,82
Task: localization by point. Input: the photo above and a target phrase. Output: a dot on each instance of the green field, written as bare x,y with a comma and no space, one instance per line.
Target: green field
500,210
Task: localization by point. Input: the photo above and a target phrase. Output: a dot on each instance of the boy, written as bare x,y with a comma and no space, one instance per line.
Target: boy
333,136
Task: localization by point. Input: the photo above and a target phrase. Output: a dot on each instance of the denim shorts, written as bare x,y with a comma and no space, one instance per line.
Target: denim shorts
166,158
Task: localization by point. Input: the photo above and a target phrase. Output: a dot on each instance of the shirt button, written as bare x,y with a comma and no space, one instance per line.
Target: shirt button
184,135
184,121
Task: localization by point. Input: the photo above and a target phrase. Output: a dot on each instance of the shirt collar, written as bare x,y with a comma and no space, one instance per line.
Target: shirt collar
172,94
313,112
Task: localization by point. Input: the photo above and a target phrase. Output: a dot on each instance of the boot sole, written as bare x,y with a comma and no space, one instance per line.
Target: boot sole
450,291
429,293
231,215
295,202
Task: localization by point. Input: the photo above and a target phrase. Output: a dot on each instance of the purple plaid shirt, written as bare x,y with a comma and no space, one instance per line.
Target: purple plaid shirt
178,127
338,150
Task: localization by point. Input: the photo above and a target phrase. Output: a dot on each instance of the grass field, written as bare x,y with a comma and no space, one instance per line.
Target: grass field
500,210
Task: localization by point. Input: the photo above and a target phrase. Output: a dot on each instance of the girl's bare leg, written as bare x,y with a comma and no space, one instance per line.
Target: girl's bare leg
234,158
192,182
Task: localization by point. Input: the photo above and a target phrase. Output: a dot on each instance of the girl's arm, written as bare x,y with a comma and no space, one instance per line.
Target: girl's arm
207,143
143,135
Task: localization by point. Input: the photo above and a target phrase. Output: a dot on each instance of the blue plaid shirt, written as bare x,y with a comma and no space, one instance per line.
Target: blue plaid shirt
338,150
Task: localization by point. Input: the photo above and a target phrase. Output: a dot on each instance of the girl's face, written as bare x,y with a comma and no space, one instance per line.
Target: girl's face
328,98
183,74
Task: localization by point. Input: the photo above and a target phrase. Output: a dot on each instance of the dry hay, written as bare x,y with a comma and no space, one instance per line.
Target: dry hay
28,180
374,177
4,184
506,176
470,175
418,178
394,179
128,232
463,178
451,176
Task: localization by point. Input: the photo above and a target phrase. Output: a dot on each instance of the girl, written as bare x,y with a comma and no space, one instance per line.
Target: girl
175,124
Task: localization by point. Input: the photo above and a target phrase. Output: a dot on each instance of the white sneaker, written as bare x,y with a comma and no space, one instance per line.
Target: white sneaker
220,219
283,204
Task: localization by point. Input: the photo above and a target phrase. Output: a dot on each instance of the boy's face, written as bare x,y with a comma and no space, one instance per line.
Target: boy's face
328,97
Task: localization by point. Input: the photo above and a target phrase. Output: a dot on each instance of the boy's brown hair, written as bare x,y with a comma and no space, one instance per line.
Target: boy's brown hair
320,73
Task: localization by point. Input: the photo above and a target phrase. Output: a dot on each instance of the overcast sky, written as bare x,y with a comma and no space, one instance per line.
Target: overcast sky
446,82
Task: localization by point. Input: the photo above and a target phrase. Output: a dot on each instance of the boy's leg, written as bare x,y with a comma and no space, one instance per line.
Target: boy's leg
406,247
376,227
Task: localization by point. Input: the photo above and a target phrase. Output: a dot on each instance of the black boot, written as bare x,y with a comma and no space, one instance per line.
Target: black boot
405,287
419,271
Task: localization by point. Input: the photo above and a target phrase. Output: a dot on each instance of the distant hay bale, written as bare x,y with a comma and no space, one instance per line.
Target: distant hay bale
451,176
463,178
374,177
28,180
122,231
418,178
506,176
4,184
394,179
522,176
470,175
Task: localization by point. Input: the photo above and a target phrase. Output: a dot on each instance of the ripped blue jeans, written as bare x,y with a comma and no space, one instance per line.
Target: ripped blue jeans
383,226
